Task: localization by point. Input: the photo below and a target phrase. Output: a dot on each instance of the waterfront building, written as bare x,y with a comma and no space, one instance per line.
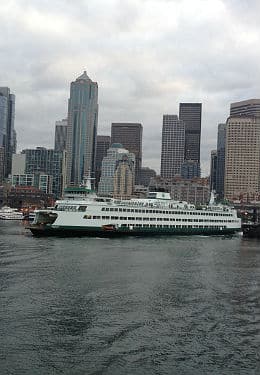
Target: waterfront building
242,158
190,114
82,129
130,136
213,170
124,178
7,132
38,180
249,107
220,171
61,128
103,144
47,162
28,197
196,191
190,169
115,153
172,152
145,176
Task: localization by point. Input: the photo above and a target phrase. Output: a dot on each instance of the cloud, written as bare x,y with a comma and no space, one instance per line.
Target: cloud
146,55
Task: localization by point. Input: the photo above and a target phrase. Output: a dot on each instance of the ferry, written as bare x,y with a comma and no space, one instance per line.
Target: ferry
8,213
83,213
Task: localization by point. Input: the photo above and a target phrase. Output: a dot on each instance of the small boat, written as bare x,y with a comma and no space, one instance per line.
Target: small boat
8,213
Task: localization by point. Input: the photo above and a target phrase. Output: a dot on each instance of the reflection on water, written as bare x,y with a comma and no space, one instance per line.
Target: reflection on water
172,305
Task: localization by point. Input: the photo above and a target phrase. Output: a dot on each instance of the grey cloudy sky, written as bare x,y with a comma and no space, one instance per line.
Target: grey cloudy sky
146,55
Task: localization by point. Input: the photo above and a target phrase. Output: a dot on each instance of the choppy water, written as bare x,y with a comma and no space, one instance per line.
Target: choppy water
169,305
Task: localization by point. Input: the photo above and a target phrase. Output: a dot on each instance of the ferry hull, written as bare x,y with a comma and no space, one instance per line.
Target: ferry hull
70,231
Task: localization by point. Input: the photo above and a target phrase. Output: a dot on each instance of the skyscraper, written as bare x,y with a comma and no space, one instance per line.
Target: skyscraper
172,154
220,171
60,135
7,132
130,136
242,158
213,170
82,129
103,144
109,164
249,107
190,114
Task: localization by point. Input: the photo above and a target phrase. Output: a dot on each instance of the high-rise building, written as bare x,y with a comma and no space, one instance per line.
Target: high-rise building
47,162
213,170
190,114
190,169
61,127
242,158
249,107
124,178
130,136
7,132
146,175
172,154
82,129
2,158
115,153
103,144
220,172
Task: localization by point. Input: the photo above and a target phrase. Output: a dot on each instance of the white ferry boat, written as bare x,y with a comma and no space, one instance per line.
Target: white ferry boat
7,213
81,212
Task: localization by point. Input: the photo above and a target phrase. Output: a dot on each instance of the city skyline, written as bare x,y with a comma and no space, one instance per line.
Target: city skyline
143,72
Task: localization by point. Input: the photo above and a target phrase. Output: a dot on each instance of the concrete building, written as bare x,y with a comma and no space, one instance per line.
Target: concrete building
172,153
82,129
213,170
124,178
115,153
190,114
38,180
220,171
249,107
103,144
2,158
196,191
190,169
242,158
7,132
61,128
130,136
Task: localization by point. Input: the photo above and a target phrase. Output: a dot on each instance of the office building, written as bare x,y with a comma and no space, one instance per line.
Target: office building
145,176
82,129
220,171
190,114
7,132
60,135
42,161
172,153
115,153
130,136
213,170
103,144
190,169
242,158
249,107
2,158
124,178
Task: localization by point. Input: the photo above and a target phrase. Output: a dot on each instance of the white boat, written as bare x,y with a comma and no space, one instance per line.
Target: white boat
7,213
81,212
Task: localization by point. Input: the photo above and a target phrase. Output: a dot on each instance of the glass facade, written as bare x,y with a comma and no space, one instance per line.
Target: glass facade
82,129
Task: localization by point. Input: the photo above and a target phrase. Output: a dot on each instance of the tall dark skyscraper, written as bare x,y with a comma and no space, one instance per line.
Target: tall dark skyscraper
130,137
173,137
103,144
220,172
7,132
82,129
61,128
190,114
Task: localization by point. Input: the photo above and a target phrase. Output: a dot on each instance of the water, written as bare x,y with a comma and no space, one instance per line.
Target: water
169,305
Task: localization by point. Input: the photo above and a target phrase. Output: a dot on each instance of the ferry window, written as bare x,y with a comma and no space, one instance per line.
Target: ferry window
103,209
115,209
82,208
87,217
